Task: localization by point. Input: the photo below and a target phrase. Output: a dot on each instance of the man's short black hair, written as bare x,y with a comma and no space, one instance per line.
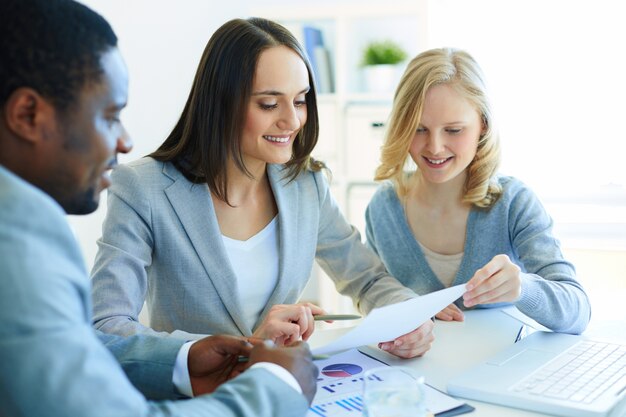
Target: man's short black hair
52,46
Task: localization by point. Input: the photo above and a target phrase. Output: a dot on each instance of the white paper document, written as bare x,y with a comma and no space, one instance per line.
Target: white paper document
340,387
386,323
512,311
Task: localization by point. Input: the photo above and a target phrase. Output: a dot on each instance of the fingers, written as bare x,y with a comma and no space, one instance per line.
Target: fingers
315,310
413,344
500,290
255,341
286,324
498,281
231,345
284,333
306,320
213,347
450,313
486,271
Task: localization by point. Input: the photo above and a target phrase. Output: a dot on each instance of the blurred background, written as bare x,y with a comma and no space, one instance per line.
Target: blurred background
554,68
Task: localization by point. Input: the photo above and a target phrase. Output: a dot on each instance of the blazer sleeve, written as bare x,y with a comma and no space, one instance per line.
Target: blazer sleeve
356,270
119,276
53,363
255,393
550,291
147,361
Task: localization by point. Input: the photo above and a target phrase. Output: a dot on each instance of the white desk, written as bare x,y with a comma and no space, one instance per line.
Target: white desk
457,347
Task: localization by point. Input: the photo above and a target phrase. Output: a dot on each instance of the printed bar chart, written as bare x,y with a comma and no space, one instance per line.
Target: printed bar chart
348,406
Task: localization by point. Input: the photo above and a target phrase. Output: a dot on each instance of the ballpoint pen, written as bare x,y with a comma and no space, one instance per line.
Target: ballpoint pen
336,317
242,359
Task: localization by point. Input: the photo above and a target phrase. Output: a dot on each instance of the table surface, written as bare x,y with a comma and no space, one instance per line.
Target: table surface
457,347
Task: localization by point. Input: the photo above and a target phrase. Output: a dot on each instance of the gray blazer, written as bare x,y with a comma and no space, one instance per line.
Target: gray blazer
161,243
53,362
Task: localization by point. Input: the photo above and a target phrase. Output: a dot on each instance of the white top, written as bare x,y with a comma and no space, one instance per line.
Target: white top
255,263
445,267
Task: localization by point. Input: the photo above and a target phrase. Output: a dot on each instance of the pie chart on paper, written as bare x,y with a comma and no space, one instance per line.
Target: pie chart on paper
341,370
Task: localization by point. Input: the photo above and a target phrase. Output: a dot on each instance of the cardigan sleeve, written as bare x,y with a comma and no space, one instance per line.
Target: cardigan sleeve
551,293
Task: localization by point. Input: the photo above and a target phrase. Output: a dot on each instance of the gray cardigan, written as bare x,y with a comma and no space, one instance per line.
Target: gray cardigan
516,225
161,243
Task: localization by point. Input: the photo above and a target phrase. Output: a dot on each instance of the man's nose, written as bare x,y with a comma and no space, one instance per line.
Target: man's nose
124,142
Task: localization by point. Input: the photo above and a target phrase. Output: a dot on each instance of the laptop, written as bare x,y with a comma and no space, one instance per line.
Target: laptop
551,373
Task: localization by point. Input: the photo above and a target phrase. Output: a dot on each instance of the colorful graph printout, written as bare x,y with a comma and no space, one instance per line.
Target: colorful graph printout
341,370
341,396
340,384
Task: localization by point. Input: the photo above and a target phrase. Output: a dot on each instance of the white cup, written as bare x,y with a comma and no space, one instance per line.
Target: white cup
393,392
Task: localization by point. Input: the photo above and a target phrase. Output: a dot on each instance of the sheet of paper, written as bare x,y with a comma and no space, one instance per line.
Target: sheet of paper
340,387
512,311
386,323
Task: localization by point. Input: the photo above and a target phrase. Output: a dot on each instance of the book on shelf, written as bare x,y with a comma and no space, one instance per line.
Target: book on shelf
319,57
323,70
311,38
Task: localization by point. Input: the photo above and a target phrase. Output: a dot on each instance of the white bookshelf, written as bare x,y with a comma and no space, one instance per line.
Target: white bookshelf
352,120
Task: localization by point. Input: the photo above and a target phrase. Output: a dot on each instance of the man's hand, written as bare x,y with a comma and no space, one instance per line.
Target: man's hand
213,361
295,358
411,344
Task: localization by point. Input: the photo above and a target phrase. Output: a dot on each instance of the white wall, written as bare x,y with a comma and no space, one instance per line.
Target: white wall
555,69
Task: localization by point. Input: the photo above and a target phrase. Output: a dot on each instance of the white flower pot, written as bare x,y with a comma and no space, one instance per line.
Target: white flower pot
381,78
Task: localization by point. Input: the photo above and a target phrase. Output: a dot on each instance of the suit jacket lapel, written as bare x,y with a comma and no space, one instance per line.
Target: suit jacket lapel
188,200
286,195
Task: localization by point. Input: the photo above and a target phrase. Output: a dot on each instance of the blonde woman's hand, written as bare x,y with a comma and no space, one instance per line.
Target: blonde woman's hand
411,344
287,323
450,313
498,281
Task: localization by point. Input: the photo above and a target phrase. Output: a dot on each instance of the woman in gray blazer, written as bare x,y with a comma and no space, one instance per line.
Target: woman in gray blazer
218,228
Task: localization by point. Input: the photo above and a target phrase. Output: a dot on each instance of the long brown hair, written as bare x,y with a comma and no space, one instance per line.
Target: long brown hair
210,127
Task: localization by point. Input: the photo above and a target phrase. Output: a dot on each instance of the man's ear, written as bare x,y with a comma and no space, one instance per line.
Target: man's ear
28,115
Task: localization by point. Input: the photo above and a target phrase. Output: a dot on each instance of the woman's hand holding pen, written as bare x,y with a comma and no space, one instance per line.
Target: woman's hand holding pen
287,323
498,281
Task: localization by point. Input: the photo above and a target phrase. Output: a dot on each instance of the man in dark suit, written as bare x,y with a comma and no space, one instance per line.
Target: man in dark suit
63,84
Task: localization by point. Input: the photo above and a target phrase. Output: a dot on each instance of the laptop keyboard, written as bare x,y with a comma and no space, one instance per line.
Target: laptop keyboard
580,374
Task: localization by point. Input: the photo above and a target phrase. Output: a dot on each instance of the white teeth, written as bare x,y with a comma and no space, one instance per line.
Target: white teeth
279,139
436,161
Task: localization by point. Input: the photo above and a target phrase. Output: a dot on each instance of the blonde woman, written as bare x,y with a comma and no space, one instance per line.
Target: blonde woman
452,219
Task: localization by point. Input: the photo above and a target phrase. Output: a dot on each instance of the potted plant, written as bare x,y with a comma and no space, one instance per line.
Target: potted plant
380,65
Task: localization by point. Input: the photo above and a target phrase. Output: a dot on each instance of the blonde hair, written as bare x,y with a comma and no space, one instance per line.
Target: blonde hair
458,69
